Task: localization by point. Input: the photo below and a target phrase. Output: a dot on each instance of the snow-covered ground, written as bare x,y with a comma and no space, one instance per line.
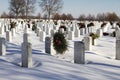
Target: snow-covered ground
100,62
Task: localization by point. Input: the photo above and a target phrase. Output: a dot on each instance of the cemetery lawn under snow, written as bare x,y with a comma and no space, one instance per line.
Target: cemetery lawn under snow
100,62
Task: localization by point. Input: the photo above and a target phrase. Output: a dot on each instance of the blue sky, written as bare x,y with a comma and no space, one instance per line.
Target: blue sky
77,7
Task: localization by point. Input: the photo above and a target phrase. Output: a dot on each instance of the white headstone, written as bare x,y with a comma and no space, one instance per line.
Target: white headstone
49,46
71,35
9,36
82,31
26,55
77,33
13,31
99,32
88,43
52,32
6,28
117,50
16,28
26,37
2,47
117,33
26,29
1,30
90,29
48,31
42,36
61,30
79,52
86,30
38,31
117,44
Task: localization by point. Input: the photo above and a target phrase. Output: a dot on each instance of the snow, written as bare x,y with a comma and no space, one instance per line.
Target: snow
100,62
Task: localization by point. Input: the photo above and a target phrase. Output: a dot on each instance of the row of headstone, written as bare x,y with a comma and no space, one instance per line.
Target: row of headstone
71,32
10,34
79,50
46,26
26,49
6,28
42,34
80,47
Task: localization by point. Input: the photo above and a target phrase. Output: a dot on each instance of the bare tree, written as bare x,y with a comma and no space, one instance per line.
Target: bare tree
29,7
56,16
64,16
112,17
70,17
107,17
50,6
44,16
101,17
90,17
17,7
82,17
4,15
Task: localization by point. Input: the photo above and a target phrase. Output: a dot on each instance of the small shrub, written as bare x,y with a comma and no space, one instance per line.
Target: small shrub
34,27
105,34
21,22
111,23
12,25
90,24
113,34
55,22
103,25
28,25
81,25
93,36
118,24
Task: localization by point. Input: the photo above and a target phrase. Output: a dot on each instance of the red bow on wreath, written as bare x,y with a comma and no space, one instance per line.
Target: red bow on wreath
58,42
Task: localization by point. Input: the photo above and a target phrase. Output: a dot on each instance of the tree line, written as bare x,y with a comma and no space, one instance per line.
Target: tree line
50,8
25,8
99,17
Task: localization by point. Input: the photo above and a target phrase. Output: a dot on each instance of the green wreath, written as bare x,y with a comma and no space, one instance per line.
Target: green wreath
60,43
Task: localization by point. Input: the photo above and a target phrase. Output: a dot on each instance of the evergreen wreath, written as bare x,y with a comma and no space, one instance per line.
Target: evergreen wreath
81,25
60,43
90,24
94,36
12,25
34,26
103,25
